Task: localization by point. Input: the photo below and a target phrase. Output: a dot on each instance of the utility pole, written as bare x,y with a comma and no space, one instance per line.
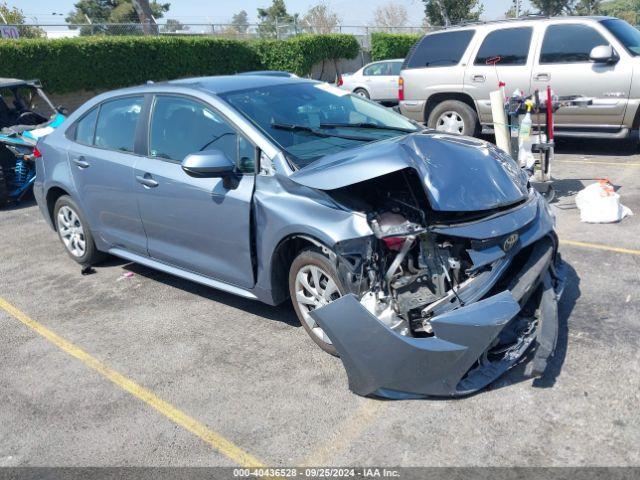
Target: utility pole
517,8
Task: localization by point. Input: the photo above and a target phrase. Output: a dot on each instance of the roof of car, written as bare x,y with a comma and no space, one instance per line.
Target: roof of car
15,82
527,18
230,83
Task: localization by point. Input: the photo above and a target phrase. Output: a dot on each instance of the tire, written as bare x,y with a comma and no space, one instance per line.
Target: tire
73,231
6,157
4,191
454,116
303,264
361,92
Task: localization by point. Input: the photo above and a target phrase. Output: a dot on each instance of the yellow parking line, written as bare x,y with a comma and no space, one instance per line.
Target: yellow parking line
615,164
598,246
344,435
214,439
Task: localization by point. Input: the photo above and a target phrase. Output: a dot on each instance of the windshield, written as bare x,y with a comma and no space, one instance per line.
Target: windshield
625,33
310,120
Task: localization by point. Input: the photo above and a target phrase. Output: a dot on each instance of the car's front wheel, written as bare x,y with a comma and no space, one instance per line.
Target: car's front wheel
313,283
74,232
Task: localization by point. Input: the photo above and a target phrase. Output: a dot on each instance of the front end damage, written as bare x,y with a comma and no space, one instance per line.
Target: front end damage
442,302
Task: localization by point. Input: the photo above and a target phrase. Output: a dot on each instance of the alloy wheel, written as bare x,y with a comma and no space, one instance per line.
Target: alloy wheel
314,289
71,231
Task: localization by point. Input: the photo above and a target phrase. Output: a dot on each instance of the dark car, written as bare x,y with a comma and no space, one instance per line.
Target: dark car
26,114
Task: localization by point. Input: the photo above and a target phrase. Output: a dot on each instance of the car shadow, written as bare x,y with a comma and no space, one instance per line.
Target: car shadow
590,146
26,202
599,147
282,313
569,187
565,307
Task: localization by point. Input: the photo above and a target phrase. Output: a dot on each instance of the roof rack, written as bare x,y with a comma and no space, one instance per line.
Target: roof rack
529,16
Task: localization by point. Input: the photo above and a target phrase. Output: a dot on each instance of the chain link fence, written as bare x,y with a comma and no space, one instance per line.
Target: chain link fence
242,32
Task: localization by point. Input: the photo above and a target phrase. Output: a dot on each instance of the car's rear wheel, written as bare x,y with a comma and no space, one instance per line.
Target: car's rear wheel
361,92
454,116
74,232
313,283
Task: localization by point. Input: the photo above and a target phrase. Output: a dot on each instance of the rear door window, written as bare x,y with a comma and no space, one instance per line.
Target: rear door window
570,43
395,68
86,127
117,122
376,69
440,49
508,46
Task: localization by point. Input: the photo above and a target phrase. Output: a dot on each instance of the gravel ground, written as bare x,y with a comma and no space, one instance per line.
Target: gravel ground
249,372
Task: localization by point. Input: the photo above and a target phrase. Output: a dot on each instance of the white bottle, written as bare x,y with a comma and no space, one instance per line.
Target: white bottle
525,144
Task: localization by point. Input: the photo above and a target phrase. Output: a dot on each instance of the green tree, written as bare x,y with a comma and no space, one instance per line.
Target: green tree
320,19
114,11
553,7
456,10
588,7
275,21
173,26
511,13
14,16
625,9
240,21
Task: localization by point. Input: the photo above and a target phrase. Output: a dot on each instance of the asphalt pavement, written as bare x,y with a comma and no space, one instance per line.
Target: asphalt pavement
104,369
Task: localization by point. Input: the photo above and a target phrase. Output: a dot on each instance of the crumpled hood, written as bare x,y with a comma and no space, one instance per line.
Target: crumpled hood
459,173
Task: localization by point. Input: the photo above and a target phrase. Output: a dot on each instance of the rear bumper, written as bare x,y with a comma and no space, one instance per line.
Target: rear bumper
472,345
413,109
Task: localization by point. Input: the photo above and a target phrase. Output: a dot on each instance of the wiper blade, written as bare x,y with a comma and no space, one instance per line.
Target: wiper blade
366,125
304,128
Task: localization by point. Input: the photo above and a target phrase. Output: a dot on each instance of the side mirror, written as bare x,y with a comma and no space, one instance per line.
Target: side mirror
211,163
603,54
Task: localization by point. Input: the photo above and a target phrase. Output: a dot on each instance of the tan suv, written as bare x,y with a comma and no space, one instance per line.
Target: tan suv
447,76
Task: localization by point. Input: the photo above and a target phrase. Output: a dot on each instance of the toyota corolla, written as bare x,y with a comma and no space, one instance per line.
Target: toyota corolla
424,260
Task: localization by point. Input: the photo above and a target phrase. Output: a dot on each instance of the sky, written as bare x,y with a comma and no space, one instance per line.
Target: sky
352,12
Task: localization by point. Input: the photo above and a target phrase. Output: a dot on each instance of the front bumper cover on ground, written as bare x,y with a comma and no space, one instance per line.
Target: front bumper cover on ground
380,362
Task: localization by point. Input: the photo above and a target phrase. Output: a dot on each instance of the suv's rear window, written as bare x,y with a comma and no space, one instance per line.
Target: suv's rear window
509,46
569,43
440,49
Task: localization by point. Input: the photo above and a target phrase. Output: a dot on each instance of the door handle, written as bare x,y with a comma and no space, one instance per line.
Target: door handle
80,162
479,78
542,77
147,181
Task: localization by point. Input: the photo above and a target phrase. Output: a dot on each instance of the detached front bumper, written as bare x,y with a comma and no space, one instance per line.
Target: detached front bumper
472,345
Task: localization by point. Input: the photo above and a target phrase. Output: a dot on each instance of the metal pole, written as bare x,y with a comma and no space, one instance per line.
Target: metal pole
517,8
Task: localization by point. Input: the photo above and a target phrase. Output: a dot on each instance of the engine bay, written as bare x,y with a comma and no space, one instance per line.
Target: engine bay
410,267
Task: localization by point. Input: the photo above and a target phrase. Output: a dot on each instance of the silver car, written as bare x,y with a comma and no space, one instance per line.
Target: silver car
402,250
448,75
377,81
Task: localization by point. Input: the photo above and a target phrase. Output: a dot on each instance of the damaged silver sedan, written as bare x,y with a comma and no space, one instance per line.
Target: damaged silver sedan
424,260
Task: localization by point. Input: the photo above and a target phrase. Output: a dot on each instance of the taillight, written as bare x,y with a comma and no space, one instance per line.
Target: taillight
400,88
339,81
394,243
36,153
